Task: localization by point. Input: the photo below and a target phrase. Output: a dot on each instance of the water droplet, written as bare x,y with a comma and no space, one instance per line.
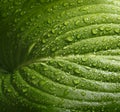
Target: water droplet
119,18
62,77
42,83
55,7
86,19
22,13
22,29
108,28
65,4
101,28
78,36
53,31
16,20
77,71
58,78
117,30
44,41
66,92
65,23
53,49
69,39
94,31
77,22
38,16
79,1
9,90
84,59
33,77
49,21
83,93
50,10
70,67
24,90
76,82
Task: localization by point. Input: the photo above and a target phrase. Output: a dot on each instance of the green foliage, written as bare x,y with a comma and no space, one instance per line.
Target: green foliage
59,56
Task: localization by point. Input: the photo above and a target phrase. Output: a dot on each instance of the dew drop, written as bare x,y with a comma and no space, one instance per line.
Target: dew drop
9,90
60,64
108,28
65,23
76,82
77,22
53,49
94,31
53,31
117,30
70,67
44,41
77,71
58,78
65,4
86,19
83,93
84,59
79,1
22,13
66,92
22,29
69,39
101,28
24,90
62,77
50,10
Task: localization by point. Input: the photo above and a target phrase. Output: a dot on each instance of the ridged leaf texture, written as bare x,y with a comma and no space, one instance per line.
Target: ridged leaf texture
59,55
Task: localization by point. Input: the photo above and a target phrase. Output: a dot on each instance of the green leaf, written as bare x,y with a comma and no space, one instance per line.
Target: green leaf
59,56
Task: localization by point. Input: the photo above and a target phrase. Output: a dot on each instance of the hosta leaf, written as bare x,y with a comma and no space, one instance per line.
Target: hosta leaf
60,55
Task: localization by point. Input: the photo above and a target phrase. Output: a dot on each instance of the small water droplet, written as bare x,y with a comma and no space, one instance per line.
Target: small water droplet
53,49
118,18
94,31
50,10
79,1
77,71
101,28
83,93
22,13
86,19
53,31
49,21
65,4
33,77
77,22
117,30
24,90
65,23
108,28
44,41
22,29
69,39
66,92
58,78
55,7
70,67
76,82
9,90
62,77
